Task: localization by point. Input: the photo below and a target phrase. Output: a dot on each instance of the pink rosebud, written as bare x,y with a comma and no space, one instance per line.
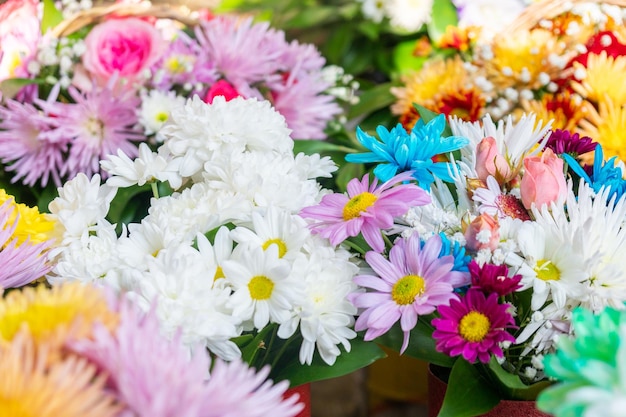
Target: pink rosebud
489,161
221,88
482,233
19,35
543,181
122,46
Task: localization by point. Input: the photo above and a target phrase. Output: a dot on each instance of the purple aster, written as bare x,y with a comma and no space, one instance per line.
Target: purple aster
473,326
493,278
564,141
98,123
413,282
235,389
29,145
21,264
366,209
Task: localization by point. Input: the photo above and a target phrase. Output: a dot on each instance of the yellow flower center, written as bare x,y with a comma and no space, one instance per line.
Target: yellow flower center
178,64
407,288
358,204
474,326
547,271
260,287
219,273
282,247
161,117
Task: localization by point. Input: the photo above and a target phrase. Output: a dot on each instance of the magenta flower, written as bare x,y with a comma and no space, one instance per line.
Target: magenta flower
366,209
411,283
473,326
493,278
21,264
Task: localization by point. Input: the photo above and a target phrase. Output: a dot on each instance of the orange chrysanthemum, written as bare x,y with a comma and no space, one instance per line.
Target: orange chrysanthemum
458,38
607,127
566,109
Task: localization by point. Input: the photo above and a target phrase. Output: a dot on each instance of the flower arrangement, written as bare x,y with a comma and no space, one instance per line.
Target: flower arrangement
552,59
77,85
77,350
480,242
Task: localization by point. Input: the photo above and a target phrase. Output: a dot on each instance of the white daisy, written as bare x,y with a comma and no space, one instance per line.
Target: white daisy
373,10
219,251
493,201
199,132
408,15
147,167
264,290
156,107
543,327
274,227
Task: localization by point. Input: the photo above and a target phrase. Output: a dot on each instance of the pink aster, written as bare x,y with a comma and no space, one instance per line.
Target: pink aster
21,264
493,278
413,282
98,124
494,202
473,326
366,209
29,145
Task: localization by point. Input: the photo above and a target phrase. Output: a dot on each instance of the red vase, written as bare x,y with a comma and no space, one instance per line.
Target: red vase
304,391
506,408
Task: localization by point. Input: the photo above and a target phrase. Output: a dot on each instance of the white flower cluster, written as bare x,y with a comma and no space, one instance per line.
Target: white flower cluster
227,252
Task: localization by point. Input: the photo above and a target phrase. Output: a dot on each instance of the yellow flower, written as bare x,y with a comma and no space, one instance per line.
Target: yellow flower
31,386
599,81
565,109
52,315
31,224
607,127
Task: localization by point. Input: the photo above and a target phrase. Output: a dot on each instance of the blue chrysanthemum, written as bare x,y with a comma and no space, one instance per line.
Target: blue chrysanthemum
399,151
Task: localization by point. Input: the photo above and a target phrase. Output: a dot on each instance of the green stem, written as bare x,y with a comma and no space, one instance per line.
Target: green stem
387,241
269,347
354,246
155,189
281,351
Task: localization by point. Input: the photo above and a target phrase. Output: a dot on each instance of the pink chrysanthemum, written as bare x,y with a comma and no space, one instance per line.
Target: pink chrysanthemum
366,209
413,282
493,278
235,389
23,263
473,326
98,124
29,144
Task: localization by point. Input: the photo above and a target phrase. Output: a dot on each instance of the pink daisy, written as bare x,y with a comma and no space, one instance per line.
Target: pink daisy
366,209
21,264
29,145
98,124
473,326
493,201
413,282
493,278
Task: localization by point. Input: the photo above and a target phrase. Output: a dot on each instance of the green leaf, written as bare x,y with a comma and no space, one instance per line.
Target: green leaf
311,147
51,16
421,344
370,29
361,355
128,202
373,99
404,58
443,15
428,115
313,16
531,392
468,393
11,86
259,343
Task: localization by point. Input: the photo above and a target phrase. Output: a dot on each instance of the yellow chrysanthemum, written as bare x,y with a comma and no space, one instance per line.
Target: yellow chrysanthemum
31,386
31,224
522,59
599,81
607,127
52,315
565,109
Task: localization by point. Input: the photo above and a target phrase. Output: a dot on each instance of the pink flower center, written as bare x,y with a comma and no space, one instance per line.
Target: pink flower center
358,204
260,287
474,326
407,288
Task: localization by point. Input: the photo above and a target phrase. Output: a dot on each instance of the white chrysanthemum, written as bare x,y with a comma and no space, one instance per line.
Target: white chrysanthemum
265,179
515,140
553,266
373,10
544,327
264,289
199,132
81,204
89,258
156,107
180,280
314,166
147,167
198,209
408,15
274,227
325,316
491,16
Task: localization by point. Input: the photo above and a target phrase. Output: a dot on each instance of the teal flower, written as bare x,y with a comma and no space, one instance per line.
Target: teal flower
590,368
399,151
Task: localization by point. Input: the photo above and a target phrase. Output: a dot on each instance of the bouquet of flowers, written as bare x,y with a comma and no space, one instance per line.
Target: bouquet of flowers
80,82
75,350
553,58
477,244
